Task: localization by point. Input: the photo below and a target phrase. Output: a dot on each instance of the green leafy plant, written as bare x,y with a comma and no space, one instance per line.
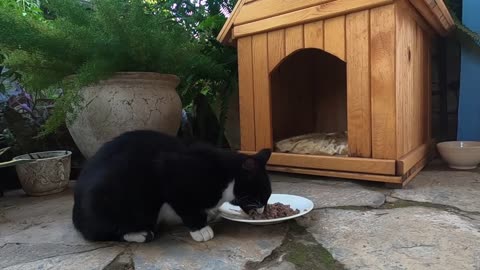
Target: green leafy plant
462,34
206,93
93,39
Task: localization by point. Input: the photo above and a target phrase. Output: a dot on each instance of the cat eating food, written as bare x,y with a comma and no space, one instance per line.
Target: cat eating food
142,178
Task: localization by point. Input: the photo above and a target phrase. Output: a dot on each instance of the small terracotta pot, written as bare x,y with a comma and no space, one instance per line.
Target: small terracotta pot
46,173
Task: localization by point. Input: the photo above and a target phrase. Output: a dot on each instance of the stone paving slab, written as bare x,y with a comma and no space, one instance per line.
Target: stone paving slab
37,233
460,189
92,260
14,254
324,193
233,246
402,238
37,220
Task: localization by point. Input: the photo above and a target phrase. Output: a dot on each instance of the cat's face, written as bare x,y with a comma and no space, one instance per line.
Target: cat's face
252,185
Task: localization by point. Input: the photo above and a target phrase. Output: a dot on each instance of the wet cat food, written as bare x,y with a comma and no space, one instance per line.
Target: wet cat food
276,210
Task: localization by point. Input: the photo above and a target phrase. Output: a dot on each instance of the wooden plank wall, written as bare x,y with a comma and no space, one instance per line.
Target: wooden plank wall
362,38
266,51
382,79
413,83
386,74
245,92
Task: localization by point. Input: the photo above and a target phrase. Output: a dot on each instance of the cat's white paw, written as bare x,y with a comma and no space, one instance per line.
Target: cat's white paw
202,235
138,237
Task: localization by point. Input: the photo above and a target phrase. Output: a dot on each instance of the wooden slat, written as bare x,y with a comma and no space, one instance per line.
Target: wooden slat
428,81
414,171
334,163
406,6
382,62
269,8
358,84
315,13
293,39
313,35
419,136
436,13
335,36
245,92
261,86
406,162
346,175
406,101
276,48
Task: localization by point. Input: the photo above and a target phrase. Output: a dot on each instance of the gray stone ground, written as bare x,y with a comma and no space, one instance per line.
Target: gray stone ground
434,223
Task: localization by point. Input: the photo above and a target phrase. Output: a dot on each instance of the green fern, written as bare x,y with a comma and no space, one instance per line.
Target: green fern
91,41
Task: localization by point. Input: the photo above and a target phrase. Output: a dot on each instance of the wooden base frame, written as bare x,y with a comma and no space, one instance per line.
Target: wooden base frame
403,171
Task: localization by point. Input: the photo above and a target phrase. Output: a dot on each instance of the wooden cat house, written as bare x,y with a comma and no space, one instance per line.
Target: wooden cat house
351,75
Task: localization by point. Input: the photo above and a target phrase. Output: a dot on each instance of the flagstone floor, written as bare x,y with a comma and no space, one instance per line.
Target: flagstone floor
433,223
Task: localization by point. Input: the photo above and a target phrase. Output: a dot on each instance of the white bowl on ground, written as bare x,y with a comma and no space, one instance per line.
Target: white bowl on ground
461,155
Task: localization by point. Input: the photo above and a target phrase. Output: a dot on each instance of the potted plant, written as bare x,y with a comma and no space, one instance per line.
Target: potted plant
117,63
42,173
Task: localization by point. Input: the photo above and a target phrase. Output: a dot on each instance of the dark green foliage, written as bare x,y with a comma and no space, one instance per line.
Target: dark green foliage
91,40
462,34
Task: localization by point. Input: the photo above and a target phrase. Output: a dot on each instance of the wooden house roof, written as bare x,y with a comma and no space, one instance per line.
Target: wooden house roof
255,16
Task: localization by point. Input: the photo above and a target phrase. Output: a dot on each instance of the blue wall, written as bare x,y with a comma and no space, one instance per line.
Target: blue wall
469,104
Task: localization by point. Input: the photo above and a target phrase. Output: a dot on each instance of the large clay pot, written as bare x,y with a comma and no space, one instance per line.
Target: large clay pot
125,102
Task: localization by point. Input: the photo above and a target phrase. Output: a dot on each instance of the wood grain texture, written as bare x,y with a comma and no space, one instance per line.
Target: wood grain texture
382,61
405,64
334,41
293,39
269,8
246,96
340,175
313,35
307,15
261,86
358,84
428,86
276,48
419,97
406,162
406,7
334,163
414,171
436,13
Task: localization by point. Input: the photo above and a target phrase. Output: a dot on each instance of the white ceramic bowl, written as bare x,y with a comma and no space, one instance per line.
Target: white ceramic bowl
234,213
461,155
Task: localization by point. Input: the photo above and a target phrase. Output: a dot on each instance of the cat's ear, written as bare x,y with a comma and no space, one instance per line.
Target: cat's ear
263,156
259,160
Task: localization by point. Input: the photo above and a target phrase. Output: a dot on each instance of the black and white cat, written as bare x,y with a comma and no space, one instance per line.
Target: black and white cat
141,178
